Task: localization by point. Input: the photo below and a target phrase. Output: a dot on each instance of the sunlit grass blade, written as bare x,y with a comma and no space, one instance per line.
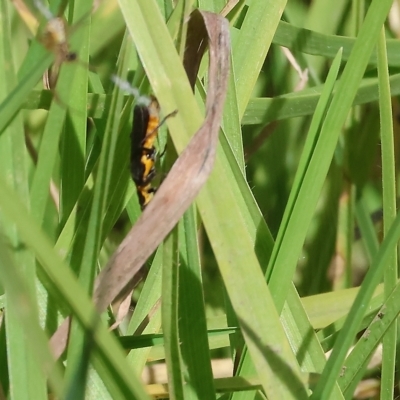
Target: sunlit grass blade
292,237
251,49
389,211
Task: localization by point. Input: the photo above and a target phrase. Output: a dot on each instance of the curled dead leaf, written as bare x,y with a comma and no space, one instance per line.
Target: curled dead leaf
183,182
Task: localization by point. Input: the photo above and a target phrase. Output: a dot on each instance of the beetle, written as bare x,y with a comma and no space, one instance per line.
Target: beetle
146,123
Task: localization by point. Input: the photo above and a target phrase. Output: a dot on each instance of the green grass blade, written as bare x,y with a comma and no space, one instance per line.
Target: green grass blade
35,358
149,298
255,172
192,322
303,339
169,309
292,234
384,320
335,119
296,104
13,103
328,308
252,44
389,212
290,238
367,229
316,43
231,123
47,157
93,239
61,282
74,90
26,372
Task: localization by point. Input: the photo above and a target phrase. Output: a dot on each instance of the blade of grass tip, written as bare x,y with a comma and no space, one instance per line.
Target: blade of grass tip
26,374
252,44
192,321
335,119
389,211
345,235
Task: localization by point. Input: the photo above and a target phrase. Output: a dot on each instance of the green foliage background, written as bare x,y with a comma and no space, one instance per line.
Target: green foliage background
292,241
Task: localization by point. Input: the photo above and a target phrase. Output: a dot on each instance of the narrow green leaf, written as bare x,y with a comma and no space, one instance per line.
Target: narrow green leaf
389,211
336,116
169,309
192,323
252,44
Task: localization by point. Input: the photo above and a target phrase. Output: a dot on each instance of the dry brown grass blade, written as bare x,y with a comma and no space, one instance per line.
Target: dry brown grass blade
196,44
184,181
186,178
